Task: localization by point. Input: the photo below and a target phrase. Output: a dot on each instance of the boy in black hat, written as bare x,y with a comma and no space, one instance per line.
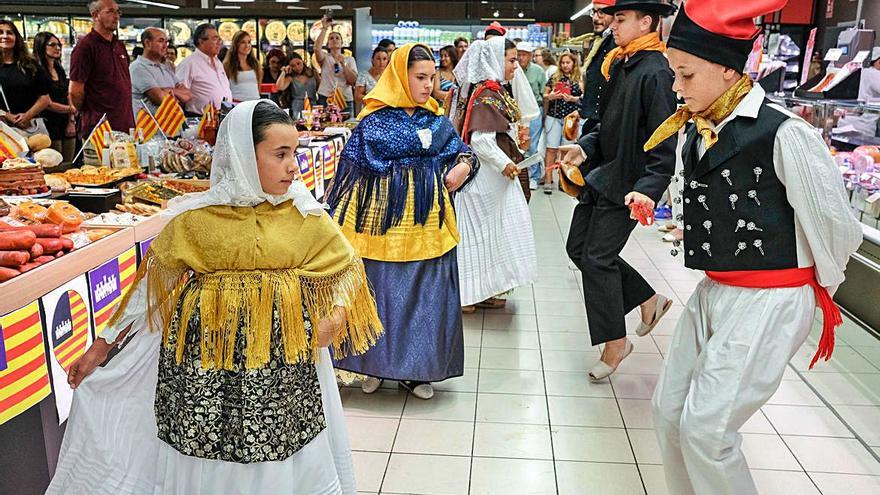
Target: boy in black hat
767,219
636,99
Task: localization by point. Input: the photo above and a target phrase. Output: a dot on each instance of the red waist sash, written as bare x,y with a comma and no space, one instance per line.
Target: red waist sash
789,278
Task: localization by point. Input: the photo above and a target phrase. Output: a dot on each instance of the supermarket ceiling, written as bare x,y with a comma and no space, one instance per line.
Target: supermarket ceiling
384,9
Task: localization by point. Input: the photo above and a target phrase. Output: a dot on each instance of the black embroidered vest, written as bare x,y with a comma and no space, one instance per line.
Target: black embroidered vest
736,213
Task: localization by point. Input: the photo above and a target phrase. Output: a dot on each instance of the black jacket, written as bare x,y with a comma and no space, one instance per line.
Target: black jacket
636,100
594,81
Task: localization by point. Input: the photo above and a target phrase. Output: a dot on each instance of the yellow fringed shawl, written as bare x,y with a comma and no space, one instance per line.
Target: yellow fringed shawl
245,261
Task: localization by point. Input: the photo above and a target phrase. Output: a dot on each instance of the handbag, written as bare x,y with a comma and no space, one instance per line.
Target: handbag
570,179
570,126
37,126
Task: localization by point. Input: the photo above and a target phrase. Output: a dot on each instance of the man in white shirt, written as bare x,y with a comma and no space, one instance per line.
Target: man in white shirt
152,79
337,69
202,72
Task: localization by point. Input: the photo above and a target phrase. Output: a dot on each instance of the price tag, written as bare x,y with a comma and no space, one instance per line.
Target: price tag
861,57
833,54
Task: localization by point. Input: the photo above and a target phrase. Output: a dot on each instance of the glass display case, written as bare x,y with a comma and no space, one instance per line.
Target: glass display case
130,29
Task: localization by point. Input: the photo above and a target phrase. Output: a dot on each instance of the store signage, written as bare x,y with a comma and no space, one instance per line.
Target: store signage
68,311
833,54
108,284
144,246
860,57
24,374
829,9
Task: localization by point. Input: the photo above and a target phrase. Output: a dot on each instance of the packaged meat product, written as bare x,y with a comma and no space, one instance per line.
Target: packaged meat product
33,211
14,258
64,214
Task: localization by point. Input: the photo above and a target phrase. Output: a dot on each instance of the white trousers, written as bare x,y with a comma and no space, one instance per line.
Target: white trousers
726,360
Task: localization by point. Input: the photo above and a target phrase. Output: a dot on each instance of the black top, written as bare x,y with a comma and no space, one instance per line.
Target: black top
736,212
558,109
594,81
56,123
636,100
22,88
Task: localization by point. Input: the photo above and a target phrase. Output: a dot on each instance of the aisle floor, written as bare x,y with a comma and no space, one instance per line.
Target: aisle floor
524,419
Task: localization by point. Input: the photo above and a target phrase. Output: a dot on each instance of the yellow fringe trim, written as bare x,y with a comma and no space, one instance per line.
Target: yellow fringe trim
233,301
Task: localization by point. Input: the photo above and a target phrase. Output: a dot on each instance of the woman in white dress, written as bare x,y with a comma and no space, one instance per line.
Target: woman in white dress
497,247
234,393
242,69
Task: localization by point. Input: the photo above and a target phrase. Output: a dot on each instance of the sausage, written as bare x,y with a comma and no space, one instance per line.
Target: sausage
7,273
28,267
42,230
51,246
14,258
44,259
67,243
36,251
16,240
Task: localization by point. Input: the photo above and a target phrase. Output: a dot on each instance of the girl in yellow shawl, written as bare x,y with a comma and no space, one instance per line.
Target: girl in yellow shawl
237,300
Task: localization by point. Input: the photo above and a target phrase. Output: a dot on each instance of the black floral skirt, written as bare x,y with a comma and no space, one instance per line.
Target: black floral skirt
239,415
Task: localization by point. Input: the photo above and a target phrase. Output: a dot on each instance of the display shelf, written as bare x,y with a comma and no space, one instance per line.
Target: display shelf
28,287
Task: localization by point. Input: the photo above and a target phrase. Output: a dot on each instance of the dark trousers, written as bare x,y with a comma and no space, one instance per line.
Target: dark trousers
612,288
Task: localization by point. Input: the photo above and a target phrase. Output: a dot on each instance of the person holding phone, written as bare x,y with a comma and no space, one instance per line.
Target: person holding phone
562,96
337,69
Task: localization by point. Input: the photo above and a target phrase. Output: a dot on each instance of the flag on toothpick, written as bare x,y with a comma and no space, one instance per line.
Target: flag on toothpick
97,138
207,114
170,116
338,99
307,106
147,123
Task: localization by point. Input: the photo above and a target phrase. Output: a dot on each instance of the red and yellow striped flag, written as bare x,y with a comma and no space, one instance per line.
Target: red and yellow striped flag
97,138
307,105
146,122
338,99
24,374
7,149
170,116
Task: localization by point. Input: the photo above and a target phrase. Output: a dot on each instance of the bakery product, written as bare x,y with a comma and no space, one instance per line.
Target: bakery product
20,177
39,142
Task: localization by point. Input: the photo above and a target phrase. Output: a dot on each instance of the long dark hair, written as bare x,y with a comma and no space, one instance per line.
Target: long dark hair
231,63
42,39
266,115
419,53
452,53
20,53
307,70
274,53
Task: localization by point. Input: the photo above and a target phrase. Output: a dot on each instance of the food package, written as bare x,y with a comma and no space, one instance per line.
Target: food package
119,157
66,215
48,158
32,211
13,139
39,142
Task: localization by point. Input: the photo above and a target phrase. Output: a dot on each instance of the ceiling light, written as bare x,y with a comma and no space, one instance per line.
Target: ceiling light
155,4
296,7
583,11
496,13
484,2
239,1
521,14
287,1
227,7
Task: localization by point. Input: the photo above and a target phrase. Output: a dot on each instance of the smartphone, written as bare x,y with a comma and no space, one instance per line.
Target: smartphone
562,87
328,13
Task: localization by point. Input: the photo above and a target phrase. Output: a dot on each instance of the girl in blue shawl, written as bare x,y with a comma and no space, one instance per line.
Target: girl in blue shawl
392,198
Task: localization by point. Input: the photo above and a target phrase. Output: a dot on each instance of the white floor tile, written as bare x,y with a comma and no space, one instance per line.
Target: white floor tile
445,406
636,413
575,443
427,474
369,469
804,420
640,363
795,393
768,452
434,437
654,478
383,403
575,324
507,339
499,321
466,383
584,411
578,478
860,389
508,408
575,384
565,341
579,361
846,484
865,420
510,359
519,441
633,386
832,455
512,382
512,477
645,446
783,483
373,434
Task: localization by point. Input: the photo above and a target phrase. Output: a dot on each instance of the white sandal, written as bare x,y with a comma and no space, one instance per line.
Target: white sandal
663,305
601,370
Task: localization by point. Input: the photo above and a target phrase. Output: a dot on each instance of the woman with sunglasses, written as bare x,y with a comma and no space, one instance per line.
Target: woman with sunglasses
60,114
338,71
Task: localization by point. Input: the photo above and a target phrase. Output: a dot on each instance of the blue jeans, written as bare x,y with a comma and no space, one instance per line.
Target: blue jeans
536,127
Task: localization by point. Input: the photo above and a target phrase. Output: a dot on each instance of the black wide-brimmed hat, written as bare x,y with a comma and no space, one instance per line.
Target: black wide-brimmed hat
661,7
720,31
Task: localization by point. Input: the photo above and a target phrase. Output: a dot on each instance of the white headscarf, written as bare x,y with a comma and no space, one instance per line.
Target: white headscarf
484,61
235,180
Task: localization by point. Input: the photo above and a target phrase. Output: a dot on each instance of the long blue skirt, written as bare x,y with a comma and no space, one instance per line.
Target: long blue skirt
420,307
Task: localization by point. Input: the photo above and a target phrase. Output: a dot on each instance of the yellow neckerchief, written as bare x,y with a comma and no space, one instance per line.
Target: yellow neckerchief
597,43
649,42
705,120
209,258
392,88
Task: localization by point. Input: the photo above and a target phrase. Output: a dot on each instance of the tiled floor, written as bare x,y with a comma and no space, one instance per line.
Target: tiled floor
525,420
